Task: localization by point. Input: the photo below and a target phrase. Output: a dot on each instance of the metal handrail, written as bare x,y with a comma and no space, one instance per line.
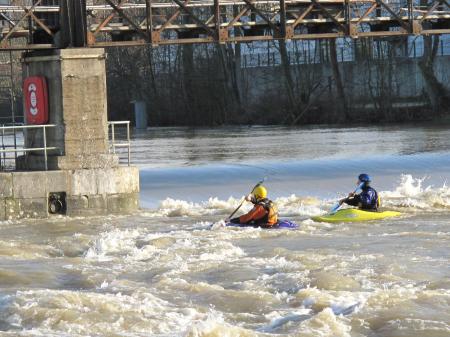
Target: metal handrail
13,148
114,144
5,148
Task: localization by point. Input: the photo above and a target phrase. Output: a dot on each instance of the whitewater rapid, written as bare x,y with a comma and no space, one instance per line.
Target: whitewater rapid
410,195
167,271
163,272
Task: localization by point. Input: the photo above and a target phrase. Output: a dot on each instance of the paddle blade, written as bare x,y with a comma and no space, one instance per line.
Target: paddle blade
217,225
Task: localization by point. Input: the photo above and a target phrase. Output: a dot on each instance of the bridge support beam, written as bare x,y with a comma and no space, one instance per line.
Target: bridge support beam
73,23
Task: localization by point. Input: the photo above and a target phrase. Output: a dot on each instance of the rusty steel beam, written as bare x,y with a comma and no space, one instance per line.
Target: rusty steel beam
108,18
4,39
394,15
326,13
194,17
252,6
149,20
121,12
300,18
283,18
171,18
135,22
436,3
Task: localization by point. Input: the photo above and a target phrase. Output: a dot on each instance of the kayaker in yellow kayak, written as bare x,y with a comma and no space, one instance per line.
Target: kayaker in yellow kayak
367,200
264,212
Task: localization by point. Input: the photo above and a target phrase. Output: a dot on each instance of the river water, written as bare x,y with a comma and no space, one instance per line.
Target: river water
165,272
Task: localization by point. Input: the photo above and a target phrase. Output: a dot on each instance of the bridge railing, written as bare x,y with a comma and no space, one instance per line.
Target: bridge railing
12,144
119,139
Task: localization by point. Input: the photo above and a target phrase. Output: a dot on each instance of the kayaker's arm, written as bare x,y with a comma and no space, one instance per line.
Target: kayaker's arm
352,201
249,198
256,213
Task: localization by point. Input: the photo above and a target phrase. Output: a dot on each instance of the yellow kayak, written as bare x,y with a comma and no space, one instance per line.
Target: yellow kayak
355,215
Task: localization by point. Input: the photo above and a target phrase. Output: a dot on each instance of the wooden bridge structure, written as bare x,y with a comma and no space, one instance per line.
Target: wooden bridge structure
47,24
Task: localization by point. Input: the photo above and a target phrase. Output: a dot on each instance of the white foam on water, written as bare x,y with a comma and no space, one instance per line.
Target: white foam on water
411,193
165,278
171,253
340,302
299,206
213,206
325,324
279,319
418,325
218,225
415,310
112,242
20,250
86,313
288,206
215,326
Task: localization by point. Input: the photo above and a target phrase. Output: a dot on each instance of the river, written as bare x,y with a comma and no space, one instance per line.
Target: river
165,272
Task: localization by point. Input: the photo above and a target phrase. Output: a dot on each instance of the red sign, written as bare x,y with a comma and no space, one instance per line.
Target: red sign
36,100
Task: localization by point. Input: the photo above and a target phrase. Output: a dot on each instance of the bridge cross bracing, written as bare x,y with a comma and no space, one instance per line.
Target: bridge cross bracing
42,24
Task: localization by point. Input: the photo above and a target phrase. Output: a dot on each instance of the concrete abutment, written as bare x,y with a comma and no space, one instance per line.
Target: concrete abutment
83,176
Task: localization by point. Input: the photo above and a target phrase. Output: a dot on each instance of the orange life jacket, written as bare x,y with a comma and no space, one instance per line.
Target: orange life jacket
264,213
272,211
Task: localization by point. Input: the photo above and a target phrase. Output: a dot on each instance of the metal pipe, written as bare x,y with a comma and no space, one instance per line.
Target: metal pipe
129,143
18,127
5,149
31,149
3,146
13,113
45,148
114,144
113,136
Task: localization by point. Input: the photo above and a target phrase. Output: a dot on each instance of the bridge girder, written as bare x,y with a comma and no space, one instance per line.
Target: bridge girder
41,24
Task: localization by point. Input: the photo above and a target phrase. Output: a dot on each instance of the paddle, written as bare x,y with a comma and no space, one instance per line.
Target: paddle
240,205
338,205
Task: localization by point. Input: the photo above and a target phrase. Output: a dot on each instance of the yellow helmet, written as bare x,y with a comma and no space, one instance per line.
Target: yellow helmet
260,192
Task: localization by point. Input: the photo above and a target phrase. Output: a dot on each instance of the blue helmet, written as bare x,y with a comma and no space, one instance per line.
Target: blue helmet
364,178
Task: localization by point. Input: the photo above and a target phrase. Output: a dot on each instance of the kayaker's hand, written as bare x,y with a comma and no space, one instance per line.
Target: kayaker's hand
351,195
249,197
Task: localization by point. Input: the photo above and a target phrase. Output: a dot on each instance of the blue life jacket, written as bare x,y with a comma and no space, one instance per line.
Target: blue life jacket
368,198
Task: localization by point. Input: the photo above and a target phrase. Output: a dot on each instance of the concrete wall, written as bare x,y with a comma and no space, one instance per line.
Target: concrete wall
50,68
84,103
82,174
77,105
88,192
407,78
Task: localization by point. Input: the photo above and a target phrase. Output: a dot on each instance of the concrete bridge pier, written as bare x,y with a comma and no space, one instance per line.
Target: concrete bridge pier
83,177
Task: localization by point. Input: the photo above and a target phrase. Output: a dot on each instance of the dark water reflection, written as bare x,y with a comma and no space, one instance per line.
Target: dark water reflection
162,147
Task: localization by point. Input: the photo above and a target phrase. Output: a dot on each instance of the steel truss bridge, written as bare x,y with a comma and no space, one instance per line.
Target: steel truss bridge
43,24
